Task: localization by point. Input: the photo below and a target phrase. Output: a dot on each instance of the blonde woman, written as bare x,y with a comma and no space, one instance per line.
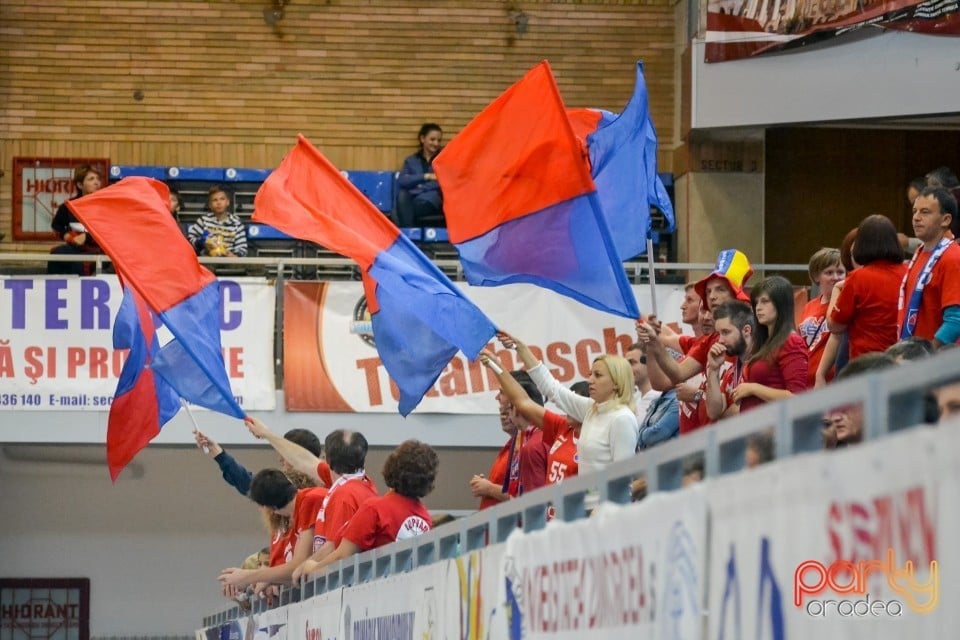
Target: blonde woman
609,425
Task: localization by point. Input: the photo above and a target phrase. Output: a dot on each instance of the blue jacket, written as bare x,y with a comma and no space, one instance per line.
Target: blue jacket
234,473
662,421
412,181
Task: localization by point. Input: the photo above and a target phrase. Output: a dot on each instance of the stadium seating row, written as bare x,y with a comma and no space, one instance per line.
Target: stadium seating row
380,187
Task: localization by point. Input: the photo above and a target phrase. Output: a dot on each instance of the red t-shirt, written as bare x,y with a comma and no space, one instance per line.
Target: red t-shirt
700,349
941,292
278,544
693,415
305,508
385,519
813,329
341,503
730,378
788,370
533,461
868,306
497,473
559,436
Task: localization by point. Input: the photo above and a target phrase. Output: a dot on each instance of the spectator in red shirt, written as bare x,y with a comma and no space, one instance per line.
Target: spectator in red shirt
724,283
521,464
559,433
410,472
864,305
272,490
777,366
930,292
735,326
825,271
346,455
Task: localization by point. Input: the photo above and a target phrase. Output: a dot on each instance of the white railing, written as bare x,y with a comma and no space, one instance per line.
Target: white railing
892,400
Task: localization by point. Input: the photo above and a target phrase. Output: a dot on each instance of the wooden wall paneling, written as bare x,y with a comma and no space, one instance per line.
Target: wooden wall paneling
197,83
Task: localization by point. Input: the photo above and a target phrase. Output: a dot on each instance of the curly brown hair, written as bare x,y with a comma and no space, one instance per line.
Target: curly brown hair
411,469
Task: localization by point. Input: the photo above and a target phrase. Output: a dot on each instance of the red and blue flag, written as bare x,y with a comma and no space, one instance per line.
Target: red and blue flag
521,205
163,281
623,163
420,318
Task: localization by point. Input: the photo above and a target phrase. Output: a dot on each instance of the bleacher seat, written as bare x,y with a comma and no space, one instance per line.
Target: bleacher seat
415,234
121,171
435,234
197,174
378,186
246,175
257,231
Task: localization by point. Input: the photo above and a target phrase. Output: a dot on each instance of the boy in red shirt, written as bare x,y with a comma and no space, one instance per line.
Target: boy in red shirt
410,472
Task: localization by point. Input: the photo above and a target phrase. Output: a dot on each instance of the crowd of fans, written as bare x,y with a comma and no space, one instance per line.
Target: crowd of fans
880,299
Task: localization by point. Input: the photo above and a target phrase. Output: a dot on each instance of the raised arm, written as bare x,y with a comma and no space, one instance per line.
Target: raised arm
568,401
234,473
295,455
664,364
512,389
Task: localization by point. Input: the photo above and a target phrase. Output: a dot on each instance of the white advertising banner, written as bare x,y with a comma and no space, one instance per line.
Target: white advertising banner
818,546
945,448
482,611
317,618
401,607
56,342
626,572
269,625
331,362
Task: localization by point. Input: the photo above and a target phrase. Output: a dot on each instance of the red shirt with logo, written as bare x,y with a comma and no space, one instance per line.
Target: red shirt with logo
941,292
305,508
813,329
385,519
342,501
560,437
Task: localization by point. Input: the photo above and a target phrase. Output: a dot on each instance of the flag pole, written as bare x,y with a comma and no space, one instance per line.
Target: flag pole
196,427
653,277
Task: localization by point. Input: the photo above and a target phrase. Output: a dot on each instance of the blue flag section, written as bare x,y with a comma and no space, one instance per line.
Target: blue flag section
623,159
192,363
562,247
143,403
422,321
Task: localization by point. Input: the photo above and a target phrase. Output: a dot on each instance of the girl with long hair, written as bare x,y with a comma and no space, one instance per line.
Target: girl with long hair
777,365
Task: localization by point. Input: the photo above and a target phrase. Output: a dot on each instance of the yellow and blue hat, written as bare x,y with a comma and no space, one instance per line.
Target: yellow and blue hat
734,267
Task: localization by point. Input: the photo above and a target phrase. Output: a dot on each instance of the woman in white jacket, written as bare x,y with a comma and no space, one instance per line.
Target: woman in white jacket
609,430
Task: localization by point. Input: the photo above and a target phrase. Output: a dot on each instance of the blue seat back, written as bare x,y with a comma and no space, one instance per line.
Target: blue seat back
378,186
